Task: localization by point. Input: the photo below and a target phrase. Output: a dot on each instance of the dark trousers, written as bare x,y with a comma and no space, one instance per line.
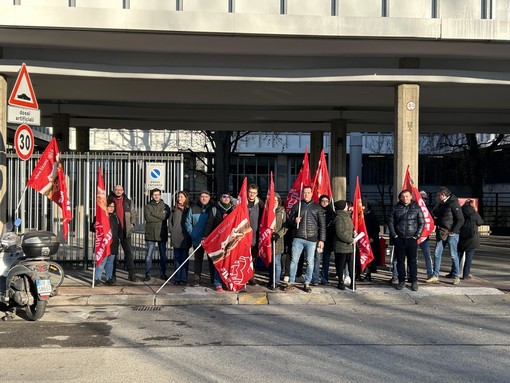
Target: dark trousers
406,248
342,259
128,257
197,266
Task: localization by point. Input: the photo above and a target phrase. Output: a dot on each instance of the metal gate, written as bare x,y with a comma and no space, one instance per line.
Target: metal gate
39,213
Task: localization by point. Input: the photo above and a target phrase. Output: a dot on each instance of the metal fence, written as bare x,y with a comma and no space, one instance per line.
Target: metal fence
39,213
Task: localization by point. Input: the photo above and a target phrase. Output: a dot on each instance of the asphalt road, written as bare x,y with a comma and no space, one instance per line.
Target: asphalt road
392,339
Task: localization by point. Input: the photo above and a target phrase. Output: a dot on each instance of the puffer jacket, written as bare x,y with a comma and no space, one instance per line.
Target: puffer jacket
343,232
448,215
156,221
313,221
196,220
406,221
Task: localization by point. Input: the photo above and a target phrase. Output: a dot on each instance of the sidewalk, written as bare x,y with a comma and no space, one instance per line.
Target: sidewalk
490,269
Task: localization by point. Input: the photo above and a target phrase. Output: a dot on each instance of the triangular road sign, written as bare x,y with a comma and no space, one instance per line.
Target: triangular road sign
23,94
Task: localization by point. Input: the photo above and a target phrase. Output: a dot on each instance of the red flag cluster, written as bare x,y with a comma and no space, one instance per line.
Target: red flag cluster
49,179
303,179
229,244
429,220
321,184
103,230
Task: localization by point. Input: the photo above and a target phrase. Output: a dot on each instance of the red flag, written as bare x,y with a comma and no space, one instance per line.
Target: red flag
365,250
321,184
48,178
303,179
103,229
267,225
229,245
429,221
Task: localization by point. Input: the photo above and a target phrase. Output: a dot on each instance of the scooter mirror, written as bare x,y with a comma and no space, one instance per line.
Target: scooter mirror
17,222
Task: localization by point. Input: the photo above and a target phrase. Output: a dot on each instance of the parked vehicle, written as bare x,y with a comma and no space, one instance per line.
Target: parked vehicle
25,279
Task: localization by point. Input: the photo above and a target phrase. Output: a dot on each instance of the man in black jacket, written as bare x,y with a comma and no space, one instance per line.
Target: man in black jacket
449,219
308,221
405,224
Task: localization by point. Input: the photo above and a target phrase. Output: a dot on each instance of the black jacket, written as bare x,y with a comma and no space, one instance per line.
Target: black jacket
473,242
313,221
448,215
406,221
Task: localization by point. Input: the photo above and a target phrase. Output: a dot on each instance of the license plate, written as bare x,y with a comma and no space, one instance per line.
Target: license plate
43,286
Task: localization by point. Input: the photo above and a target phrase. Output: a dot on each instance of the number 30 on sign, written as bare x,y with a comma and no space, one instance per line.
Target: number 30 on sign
24,142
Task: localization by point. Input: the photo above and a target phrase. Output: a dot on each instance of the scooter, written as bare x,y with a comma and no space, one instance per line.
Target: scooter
24,276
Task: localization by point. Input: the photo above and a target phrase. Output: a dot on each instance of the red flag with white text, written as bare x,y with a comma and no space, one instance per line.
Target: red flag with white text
48,178
103,229
267,225
321,184
365,250
429,220
229,245
303,179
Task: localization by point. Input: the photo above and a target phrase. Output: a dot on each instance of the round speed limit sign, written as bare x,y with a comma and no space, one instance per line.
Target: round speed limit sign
24,142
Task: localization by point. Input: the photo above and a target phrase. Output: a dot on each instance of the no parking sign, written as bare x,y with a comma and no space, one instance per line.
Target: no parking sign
155,174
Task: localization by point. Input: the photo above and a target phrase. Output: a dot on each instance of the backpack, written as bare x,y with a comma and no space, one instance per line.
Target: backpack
469,228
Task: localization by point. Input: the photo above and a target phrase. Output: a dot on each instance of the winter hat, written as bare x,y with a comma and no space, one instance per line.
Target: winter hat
340,205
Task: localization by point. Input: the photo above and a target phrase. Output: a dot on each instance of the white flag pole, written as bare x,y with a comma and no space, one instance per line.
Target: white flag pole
182,264
299,202
353,278
273,243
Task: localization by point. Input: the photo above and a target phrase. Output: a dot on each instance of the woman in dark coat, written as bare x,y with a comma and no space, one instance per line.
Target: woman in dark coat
469,242
179,237
343,241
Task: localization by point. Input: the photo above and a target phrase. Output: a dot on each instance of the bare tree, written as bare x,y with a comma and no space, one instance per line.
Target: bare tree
476,154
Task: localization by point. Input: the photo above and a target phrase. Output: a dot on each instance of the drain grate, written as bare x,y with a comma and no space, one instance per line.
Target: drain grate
147,308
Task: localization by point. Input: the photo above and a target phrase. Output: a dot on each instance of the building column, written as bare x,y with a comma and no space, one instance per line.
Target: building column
338,159
406,143
3,154
355,162
83,139
316,145
61,130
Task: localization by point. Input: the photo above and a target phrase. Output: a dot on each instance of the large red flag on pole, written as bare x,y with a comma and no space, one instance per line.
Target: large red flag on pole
267,225
429,221
229,245
365,250
49,179
103,229
303,179
321,184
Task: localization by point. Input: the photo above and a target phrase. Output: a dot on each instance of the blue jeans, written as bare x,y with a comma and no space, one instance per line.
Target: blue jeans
425,249
277,269
467,263
452,241
298,244
107,265
318,274
151,245
180,256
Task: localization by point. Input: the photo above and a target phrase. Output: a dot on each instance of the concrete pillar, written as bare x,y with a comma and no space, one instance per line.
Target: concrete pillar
61,130
83,139
406,151
355,162
3,155
281,178
316,145
338,159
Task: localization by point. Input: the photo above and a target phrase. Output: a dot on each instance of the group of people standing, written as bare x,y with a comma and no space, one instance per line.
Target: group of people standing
312,229
456,228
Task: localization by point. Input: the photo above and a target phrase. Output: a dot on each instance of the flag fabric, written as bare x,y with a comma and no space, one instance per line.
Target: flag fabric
429,220
103,230
267,225
321,184
303,179
365,250
48,178
229,245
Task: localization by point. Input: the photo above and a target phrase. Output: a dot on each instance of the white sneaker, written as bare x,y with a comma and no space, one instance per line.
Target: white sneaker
456,280
433,279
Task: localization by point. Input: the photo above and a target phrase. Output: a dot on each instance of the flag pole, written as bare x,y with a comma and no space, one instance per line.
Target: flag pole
353,277
19,203
299,206
182,264
273,246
